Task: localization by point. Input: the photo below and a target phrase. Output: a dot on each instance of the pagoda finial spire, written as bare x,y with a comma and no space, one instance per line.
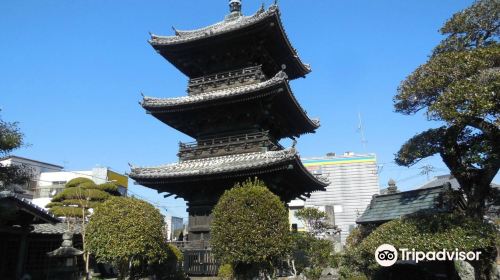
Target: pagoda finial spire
235,6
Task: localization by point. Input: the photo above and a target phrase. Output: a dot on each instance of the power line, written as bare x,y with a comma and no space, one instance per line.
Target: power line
156,204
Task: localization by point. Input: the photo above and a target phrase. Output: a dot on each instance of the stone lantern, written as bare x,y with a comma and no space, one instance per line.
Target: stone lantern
64,264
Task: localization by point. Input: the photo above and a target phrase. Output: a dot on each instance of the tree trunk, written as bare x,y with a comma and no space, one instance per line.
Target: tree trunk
474,180
482,270
476,190
86,254
294,269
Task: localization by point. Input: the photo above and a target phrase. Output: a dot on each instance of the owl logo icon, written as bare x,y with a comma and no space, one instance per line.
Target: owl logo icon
386,255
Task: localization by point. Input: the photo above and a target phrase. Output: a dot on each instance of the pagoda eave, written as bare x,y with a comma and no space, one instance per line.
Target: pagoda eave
281,170
274,106
194,52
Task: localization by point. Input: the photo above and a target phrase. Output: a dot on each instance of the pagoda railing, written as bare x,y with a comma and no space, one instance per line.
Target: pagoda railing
227,79
240,143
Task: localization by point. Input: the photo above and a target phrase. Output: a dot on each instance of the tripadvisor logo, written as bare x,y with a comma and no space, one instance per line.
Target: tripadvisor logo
387,255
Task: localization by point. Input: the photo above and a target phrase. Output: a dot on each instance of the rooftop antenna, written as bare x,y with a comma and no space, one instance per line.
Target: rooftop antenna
426,170
361,131
65,164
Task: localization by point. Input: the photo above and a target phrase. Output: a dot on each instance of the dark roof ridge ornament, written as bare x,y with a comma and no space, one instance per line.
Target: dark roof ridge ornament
234,9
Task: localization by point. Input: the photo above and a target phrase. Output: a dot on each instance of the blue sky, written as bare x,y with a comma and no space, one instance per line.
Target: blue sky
71,73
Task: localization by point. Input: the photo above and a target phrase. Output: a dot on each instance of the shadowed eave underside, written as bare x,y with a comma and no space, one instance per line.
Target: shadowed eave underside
29,212
230,166
168,110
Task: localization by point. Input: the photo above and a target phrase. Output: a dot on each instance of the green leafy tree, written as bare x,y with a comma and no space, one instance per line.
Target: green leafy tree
74,203
250,229
128,233
311,254
351,266
79,196
11,138
428,232
459,86
226,272
315,220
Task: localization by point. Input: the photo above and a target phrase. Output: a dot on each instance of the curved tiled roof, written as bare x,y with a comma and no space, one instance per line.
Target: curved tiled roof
227,25
240,164
214,165
388,207
30,207
153,102
173,104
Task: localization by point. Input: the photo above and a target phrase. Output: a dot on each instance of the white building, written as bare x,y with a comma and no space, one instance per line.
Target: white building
51,183
54,181
49,179
36,168
353,181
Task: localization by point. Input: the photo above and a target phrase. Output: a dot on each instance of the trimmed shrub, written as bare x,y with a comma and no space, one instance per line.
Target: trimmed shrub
426,232
250,228
78,181
127,231
225,272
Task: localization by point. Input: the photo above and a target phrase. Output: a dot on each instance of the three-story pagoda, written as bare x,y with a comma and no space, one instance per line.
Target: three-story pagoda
238,106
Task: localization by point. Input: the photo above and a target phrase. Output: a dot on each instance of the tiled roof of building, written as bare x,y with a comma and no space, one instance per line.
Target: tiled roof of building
388,207
214,165
39,214
251,91
152,102
448,178
228,25
14,157
440,180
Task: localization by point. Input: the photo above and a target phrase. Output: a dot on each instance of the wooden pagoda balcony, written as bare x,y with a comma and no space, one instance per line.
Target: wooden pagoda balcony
234,144
227,79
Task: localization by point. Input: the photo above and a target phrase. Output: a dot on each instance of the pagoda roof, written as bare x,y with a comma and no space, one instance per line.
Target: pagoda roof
230,166
185,48
165,103
165,109
214,165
